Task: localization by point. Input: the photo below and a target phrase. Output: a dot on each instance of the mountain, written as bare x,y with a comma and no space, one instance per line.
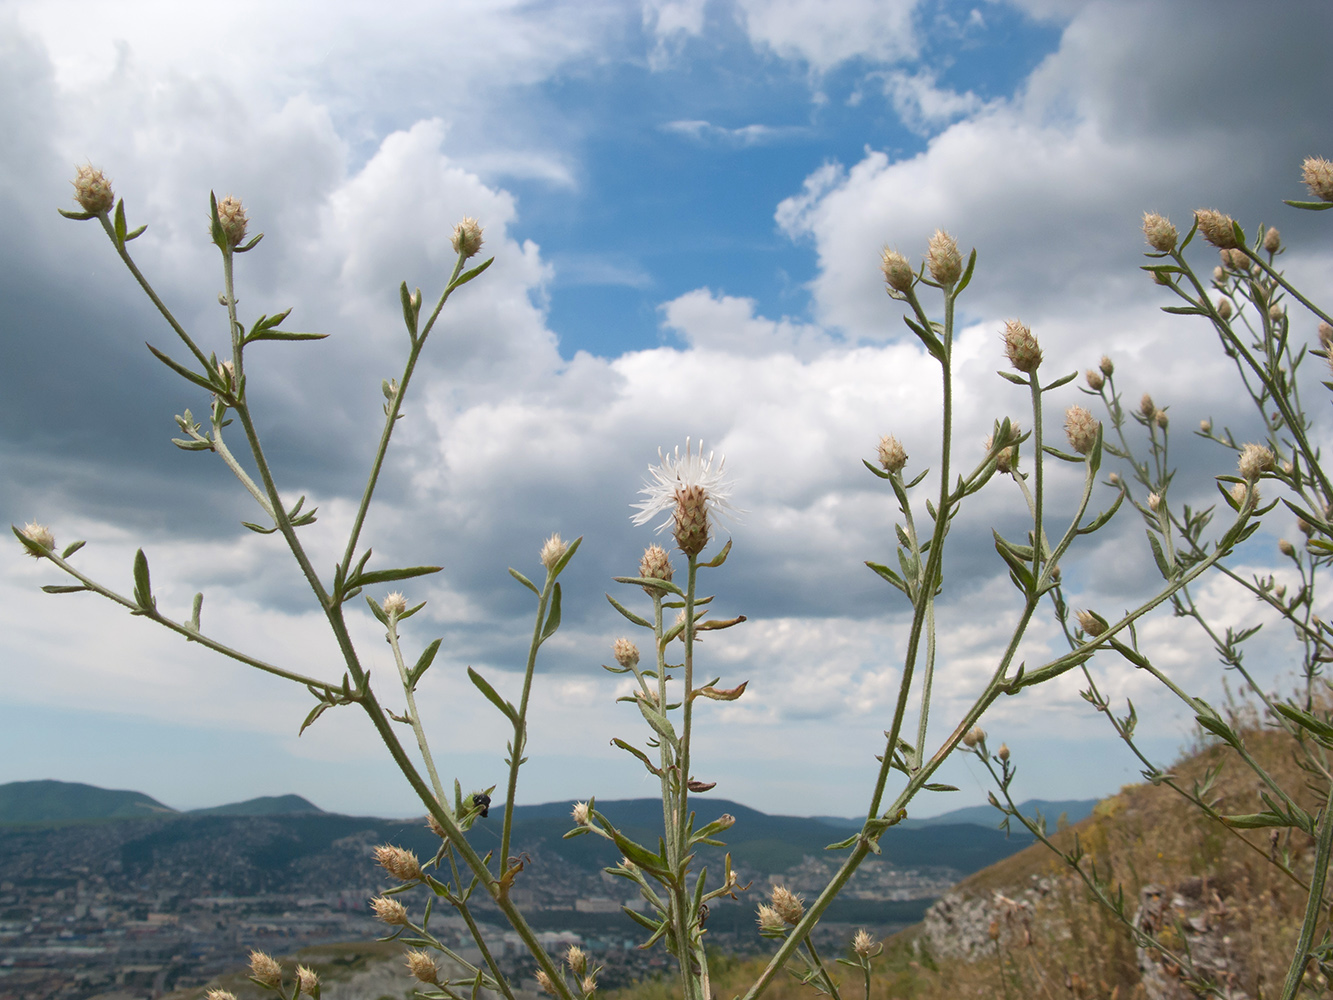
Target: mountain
66,801
265,805
1074,810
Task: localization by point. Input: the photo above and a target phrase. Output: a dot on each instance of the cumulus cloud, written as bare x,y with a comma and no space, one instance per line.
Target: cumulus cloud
744,135
824,35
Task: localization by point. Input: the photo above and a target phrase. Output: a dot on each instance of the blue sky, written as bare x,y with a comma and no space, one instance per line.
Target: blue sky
687,200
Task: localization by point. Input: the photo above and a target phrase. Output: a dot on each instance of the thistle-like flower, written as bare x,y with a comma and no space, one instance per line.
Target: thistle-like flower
467,239
1224,309
864,946
1317,173
1217,228
1147,407
400,863
1020,347
577,960
1272,239
92,190
943,258
898,273
394,604
625,652
769,920
231,216
422,966
655,565
219,995
1161,235
388,910
1286,548
689,486
1094,379
40,534
787,904
307,981
973,737
1254,460
1090,623
553,549
544,981
581,814
265,969
1081,429
892,455
1107,366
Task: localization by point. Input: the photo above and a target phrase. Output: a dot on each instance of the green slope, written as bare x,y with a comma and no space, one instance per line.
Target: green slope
66,801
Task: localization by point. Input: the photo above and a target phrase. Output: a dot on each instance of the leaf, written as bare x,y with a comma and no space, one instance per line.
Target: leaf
77,216
936,787
875,469
553,617
651,581
1305,720
524,580
121,228
1309,206
134,234
257,528
967,273
722,694
182,371
58,589
1159,557
714,624
390,575
71,548
721,557
1063,380
635,751
284,335
1184,310
660,723
315,713
1255,821
563,561
215,229
143,591
492,695
1218,728
1016,379
409,313
623,610
423,663
467,276
889,575
843,844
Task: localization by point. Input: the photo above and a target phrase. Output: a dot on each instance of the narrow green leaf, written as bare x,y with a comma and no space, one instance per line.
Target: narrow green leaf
57,589
219,237
258,529
721,557
143,591
1309,206
889,575
76,216
283,335
121,228
1011,377
1305,720
423,663
616,741
492,695
624,611
843,844
315,713
524,580
134,234
936,787
391,575
967,274
875,469
71,548
553,617
409,313
640,581
1159,556
1184,310
1063,380
563,561
182,371
1255,821
467,276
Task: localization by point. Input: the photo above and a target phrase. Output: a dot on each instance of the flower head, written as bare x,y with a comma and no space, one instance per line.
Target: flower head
219,995
892,455
898,273
388,910
864,945
92,190
625,652
394,604
1081,429
1094,379
769,920
231,216
307,980
1020,347
1317,173
553,549
265,969
973,737
467,239
40,534
544,981
422,966
1254,460
655,565
787,904
943,258
1217,228
1272,239
400,863
1090,623
577,960
689,486
1161,235
581,814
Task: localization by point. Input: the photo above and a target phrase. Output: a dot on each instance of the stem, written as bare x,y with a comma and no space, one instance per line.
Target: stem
412,714
1314,903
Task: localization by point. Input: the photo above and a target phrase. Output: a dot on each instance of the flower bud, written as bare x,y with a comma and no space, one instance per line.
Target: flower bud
588,985
398,862
1317,173
898,273
1219,276
769,920
1107,367
1161,235
1224,309
1154,501
422,966
544,981
863,945
1254,460
1114,479
1206,426
581,814
40,534
1161,419
394,604
1003,753
892,455
625,652
1217,228
1286,548
467,239
265,969
1276,312
1325,336
92,190
1081,429
389,911
787,904
1147,407
307,981
1306,528
1094,379
577,960
943,259
973,737
1020,347
1272,240
552,550
219,995
655,565
231,216
691,517
1090,623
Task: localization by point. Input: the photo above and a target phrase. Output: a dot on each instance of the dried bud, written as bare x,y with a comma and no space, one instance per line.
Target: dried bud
265,969
544,981
227,372
1217,228
434,826
1107,367
892,455
1090,623
394,604
1160,233
1224,309
974,737
1206,426
1114,479
92,190
1094,379
398,862
787,904
1234,259
1006,460
1239,491
1325,336
577,960
389,911
219,995
863,945
589,985
1219,276
1003,753
1154,501
581,814
1147,407
552,550
1272,240
625,652
41,535
898,273
1081,429
1255,460
1020,347
655,565
1161,419
467,239
307,981
1276,311
1306,528
231,216
1286,548
1317,173
422,966
770,921
943,259
691,527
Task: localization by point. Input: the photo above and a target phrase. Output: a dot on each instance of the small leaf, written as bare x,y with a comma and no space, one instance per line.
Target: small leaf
391,575
720,694
58,589
889,575
134,234
1305,720
553,618
467,276
936,787
624,611
492,695
639,754
1255,821
258,528
315,713
721,557
423,663
563,561
71,548
843,844
121,228
182,371
143,591
77,216
284,335
1309,206
524,580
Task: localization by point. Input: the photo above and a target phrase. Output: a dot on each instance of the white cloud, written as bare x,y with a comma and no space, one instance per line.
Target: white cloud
743,135
923,105
824,35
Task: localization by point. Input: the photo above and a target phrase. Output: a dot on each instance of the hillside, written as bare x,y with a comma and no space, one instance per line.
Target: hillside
65,801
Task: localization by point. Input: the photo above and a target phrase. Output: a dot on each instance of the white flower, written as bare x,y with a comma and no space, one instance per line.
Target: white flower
675,473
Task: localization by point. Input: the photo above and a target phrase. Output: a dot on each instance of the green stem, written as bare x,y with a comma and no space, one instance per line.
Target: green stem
1314,904
414,717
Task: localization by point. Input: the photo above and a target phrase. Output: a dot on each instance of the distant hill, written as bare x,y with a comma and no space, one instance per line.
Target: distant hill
265,805
1074,810
65,801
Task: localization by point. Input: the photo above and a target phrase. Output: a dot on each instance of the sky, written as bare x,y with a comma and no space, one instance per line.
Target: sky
686,201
